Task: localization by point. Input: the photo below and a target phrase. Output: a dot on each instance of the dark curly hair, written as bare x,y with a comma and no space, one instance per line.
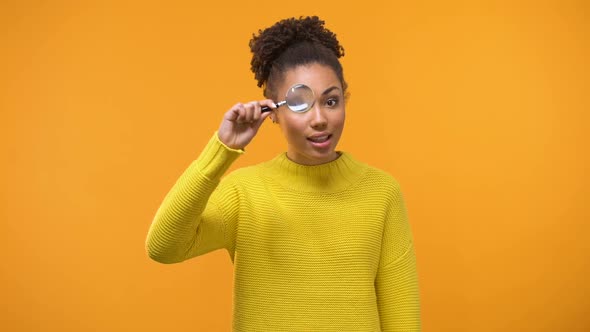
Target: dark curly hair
290,43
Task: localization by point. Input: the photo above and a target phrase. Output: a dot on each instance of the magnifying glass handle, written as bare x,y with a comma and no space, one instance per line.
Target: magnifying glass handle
268,109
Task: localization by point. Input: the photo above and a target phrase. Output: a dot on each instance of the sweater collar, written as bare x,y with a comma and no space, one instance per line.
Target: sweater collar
333,176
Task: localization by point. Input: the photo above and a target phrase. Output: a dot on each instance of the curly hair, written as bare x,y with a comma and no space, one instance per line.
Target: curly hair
292,42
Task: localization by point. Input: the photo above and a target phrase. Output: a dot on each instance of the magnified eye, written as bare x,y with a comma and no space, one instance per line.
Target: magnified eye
300,98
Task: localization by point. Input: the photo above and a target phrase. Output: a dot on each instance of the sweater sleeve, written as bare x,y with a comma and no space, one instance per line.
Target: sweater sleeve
190,220
396,283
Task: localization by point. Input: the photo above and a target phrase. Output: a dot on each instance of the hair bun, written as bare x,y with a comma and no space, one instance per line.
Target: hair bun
271,42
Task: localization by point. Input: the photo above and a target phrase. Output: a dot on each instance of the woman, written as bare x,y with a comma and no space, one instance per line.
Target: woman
319,240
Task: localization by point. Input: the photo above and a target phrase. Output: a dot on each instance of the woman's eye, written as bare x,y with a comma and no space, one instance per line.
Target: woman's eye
332,102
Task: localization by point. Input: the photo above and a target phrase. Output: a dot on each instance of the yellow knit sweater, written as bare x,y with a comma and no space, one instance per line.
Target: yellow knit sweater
315,248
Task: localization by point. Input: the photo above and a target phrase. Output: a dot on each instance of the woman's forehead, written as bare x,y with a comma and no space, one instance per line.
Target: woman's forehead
316,76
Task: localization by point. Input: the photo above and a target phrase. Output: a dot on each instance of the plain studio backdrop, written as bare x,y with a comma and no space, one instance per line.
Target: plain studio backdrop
480,109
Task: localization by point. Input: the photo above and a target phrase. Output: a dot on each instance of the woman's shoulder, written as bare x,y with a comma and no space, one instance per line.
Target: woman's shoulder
245,174
380,178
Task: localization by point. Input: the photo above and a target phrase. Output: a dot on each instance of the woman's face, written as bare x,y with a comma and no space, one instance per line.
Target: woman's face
312,136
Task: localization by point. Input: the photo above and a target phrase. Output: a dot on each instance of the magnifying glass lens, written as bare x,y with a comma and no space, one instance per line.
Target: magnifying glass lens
300,98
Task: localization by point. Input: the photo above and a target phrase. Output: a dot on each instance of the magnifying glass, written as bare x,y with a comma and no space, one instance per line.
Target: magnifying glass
299,99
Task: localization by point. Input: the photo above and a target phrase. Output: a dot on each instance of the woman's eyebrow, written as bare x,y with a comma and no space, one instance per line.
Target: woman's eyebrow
329,90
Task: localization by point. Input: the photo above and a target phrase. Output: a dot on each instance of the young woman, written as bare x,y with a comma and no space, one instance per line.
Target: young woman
319,240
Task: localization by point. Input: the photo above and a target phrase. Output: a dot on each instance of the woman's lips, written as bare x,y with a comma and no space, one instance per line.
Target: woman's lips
320,141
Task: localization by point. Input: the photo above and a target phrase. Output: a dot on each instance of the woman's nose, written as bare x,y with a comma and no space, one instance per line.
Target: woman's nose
318,118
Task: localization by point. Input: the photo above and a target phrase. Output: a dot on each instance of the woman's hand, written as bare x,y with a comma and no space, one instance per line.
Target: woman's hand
240,124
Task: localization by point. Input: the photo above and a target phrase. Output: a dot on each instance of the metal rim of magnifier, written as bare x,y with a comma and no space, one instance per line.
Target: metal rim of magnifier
293,88
304,90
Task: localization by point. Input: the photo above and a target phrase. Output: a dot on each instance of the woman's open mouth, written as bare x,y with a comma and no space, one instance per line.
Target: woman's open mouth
322,141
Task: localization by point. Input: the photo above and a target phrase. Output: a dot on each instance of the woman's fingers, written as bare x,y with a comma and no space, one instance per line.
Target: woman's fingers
241,123
243,114
256,112
250,112
267,102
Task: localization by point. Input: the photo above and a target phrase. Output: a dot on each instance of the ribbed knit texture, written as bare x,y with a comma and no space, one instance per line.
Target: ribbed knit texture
315,248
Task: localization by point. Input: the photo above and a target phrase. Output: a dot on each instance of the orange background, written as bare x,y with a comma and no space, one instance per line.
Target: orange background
479,110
